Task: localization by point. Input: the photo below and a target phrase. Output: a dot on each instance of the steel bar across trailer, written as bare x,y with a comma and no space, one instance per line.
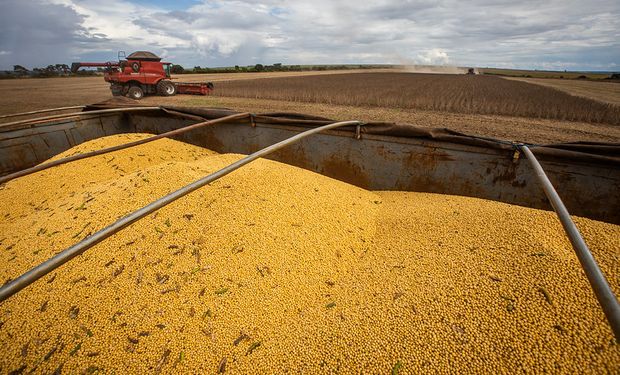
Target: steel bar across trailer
41,167
42,111
602,290
66,255
95,112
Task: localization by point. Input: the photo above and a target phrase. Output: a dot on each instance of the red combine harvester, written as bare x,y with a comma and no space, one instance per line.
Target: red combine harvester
143,73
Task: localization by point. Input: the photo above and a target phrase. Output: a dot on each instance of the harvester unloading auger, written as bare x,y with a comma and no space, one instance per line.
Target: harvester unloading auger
142,73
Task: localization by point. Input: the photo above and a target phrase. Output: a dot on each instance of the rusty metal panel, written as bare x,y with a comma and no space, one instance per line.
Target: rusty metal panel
84,130
13,156
26,147
374,162
115,124
410,164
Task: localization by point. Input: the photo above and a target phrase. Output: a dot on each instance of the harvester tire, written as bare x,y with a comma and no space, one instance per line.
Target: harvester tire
166,88
135,92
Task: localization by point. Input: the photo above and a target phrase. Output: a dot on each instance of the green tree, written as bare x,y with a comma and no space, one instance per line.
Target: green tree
177,69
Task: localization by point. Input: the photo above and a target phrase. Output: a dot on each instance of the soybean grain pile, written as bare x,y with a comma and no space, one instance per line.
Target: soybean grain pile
275,268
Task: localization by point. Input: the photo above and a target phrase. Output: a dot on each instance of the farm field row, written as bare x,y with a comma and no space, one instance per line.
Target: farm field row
543,73
501,127
30,94
469,94
218,77
607,92
352,103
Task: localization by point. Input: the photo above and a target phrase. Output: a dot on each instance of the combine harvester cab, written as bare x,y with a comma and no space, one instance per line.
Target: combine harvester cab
143,73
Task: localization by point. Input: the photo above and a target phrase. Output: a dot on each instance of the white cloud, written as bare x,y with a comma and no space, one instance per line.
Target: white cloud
528,33
433,57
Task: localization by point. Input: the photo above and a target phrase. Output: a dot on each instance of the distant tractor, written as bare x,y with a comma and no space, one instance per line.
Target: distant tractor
142,73
471,71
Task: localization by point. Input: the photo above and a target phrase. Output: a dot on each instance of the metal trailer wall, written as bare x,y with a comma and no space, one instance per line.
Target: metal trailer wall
394,163
374,162
26,146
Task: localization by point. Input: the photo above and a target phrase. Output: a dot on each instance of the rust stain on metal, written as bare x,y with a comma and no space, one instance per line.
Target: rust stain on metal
295,156
421,167
506,172
17,156
417,166
210,141
345,170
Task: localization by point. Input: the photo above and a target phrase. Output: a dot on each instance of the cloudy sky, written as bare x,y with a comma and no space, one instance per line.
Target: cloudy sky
545,34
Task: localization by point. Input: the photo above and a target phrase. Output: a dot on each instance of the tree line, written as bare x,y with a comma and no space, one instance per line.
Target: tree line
278,67
60,70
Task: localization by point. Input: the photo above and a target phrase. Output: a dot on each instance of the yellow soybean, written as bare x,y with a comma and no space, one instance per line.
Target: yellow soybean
276,268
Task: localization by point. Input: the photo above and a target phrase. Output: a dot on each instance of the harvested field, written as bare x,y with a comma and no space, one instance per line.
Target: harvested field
30,94
218,77
33,94
543,73
607,92
437,92
246,275
501,127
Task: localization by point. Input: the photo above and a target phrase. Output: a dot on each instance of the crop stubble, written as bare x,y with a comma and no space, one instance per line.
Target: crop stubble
437,92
